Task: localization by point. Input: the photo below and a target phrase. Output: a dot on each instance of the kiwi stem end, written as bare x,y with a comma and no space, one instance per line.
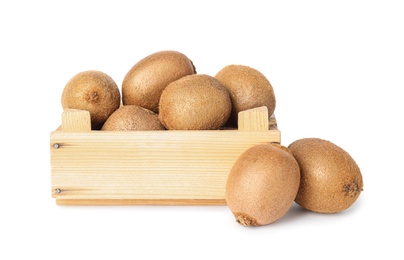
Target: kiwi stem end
245,220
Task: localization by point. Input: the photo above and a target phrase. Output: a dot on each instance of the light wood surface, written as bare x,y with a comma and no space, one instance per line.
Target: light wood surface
164,167
74,120
255,119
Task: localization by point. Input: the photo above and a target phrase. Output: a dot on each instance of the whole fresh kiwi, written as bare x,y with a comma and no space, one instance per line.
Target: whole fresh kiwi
262,184
94,91
130,118
194,102
146,80
248,89
331,181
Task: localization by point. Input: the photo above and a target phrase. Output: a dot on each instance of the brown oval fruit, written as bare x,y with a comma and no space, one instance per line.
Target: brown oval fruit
131,118
262,184
146,80
248,89
194,102
331,180
95,92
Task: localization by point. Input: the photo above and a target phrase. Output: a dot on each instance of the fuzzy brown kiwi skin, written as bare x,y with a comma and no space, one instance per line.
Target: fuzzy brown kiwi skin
146,80
194,102
262,184
132,118
94,91
331,181
248,88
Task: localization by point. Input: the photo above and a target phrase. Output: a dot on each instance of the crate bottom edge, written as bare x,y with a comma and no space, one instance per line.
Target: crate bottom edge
128,202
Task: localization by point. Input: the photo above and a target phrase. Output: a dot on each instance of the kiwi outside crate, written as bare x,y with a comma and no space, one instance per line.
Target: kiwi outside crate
92,167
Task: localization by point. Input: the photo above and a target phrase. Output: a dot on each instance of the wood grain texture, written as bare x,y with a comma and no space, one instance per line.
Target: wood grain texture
164,167
255,119
147,165
76,120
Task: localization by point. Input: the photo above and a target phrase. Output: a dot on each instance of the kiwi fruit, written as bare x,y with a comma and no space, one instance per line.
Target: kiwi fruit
262,184
94,91
146,80
331,181
194,102
248,89
130,118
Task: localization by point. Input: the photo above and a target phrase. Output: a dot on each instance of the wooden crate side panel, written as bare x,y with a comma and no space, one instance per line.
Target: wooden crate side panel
147,165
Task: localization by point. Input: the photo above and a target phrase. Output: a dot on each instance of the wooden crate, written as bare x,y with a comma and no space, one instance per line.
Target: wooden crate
167,167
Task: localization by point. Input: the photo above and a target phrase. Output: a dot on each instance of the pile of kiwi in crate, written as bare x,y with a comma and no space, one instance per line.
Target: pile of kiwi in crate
164,92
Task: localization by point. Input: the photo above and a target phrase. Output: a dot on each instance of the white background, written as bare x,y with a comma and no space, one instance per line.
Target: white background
337,71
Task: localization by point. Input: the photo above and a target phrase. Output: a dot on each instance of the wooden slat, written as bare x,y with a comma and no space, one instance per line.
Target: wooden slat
147,165
255,119
74,120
